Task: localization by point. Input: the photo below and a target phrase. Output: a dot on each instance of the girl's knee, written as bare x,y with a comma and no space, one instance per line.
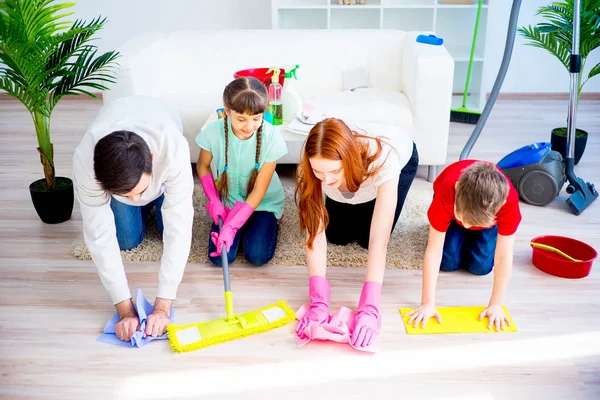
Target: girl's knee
258,255
259,252
216,261
258,260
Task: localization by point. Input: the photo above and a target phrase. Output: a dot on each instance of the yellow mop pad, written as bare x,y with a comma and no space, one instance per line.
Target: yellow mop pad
456,320
199,335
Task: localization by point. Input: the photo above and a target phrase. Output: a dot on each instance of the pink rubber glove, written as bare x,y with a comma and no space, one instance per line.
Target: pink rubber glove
214,206
366,323
235,220
318,292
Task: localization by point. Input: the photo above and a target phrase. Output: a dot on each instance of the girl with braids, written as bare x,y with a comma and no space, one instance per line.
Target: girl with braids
364,178
244,149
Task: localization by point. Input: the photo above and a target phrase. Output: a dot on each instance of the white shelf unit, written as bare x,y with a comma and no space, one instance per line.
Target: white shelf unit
452,22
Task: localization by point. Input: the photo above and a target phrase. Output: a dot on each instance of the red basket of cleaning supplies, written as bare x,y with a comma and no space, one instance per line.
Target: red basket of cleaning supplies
260,74
552,254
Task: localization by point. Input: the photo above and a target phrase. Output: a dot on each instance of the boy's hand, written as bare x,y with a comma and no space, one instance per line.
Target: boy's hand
496,317
423,313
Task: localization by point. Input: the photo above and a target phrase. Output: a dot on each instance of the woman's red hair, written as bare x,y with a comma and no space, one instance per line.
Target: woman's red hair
331,139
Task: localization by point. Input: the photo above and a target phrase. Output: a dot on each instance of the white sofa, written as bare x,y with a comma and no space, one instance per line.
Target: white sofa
410,82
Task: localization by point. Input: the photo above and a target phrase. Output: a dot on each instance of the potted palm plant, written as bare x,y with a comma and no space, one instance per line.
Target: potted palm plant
42,59
555,35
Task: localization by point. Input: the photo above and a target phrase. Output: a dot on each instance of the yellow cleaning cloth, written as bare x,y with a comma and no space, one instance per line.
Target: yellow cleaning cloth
455,320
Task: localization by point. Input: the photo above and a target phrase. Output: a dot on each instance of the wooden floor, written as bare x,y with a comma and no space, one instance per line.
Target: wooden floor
53,307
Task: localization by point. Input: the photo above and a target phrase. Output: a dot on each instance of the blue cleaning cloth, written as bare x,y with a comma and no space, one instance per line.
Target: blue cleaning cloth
143,309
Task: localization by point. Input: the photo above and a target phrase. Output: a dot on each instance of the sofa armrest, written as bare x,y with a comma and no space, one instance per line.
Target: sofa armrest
427,80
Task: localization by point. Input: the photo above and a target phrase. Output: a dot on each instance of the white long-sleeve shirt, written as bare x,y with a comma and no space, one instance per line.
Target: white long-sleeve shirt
160,126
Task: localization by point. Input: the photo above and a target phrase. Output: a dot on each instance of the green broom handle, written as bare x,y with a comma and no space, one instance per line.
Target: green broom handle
226,281
464,103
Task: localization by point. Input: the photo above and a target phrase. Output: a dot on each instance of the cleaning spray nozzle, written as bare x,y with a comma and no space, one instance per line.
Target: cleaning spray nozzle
292,73
275,76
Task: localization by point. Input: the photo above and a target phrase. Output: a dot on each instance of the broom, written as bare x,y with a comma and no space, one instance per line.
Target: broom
199,335
463,113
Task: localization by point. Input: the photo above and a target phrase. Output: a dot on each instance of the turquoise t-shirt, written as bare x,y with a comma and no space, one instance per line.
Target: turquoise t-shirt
242,154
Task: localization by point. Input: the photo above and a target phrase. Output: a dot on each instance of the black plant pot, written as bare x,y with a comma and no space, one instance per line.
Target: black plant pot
559,142
53,206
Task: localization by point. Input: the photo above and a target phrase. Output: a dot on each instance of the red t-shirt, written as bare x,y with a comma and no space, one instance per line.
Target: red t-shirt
441,210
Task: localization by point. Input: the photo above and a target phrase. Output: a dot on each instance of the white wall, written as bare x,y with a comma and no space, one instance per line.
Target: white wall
129,18
531,70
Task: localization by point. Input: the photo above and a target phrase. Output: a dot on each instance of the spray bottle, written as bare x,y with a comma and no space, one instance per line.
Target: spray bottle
290,98
274,89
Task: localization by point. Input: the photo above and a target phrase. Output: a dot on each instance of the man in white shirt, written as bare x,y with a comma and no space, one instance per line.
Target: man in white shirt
134,157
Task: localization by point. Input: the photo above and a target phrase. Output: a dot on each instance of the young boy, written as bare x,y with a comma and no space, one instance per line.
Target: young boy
473,219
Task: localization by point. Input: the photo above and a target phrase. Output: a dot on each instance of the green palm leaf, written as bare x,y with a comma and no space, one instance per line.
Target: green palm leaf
18,91
548,41
44,57
87,71
555,34
594,71
39,18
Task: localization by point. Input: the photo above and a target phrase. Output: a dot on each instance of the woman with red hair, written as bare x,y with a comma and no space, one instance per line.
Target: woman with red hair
364,178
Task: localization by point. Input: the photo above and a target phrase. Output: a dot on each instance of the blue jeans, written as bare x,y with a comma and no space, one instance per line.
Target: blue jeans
131,221
258,236
470,249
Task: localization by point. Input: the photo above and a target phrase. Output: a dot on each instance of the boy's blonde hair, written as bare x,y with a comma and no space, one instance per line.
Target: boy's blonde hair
480,193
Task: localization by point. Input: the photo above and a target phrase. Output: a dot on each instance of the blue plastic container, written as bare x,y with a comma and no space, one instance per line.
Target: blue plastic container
430,39
525,155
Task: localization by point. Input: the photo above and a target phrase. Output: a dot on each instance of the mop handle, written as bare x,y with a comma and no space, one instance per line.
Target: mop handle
225,264
574,69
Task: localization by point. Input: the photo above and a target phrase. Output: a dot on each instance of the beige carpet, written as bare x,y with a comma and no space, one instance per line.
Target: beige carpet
405,250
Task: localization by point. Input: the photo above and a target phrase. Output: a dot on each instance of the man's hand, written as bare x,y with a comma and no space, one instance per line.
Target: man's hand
128,323
496,317
157,322
422,314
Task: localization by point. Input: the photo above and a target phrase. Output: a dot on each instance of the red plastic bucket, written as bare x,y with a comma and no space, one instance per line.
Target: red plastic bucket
260,74
557,265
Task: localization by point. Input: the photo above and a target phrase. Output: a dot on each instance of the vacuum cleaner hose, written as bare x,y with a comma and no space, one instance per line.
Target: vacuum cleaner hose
508,48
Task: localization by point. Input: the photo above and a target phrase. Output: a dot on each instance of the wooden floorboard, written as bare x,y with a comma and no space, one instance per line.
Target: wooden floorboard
53,307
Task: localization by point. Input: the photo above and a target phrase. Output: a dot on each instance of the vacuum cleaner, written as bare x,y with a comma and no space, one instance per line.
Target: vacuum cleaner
536,171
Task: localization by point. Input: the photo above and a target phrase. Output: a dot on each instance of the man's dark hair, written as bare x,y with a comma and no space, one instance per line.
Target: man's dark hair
120,159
